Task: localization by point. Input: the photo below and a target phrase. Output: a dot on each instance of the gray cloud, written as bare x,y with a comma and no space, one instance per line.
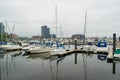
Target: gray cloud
30,15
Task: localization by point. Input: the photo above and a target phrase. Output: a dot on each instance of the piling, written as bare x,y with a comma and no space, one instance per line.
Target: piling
75,44
69,43
114,43
44,41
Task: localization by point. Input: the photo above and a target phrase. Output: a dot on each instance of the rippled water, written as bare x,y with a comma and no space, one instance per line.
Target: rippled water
77,66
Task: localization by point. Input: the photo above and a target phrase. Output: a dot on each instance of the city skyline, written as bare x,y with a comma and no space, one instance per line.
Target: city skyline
28,16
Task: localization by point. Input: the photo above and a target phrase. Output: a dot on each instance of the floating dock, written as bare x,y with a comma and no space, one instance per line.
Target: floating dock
109,53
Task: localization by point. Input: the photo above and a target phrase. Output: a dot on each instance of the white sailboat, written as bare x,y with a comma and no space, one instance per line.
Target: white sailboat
10,46
56,49
85,47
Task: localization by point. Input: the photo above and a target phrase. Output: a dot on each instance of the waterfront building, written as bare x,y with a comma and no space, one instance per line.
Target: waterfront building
45,32
53,35
78,36
2,28
37,37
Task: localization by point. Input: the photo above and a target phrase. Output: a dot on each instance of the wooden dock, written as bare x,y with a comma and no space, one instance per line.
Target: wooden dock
109,53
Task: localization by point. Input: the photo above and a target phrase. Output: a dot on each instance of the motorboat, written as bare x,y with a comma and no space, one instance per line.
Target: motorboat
102,46
38,50
117,53
28,47
11,47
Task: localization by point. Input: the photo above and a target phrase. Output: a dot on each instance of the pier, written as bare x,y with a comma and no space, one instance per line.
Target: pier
109,53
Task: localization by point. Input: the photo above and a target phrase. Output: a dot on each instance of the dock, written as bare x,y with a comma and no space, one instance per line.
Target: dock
109,53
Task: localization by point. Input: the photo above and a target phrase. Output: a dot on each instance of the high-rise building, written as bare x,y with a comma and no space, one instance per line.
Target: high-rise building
2,28
45,32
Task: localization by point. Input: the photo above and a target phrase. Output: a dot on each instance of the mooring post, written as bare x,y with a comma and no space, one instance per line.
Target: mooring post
44,41
75,43
69,43
114,43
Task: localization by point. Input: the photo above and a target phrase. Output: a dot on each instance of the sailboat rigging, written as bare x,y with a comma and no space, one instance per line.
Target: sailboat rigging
56,20
85,58
85,24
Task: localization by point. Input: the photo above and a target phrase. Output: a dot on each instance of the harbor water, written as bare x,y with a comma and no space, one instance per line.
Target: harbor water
77,66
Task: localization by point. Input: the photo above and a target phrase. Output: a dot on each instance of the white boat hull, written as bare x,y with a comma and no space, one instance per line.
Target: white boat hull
38,50
58,51
11,47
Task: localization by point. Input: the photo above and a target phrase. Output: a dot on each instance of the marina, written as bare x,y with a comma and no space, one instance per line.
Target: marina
58,61
59,40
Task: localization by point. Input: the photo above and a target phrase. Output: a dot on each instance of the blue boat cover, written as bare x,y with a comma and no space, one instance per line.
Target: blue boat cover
102,44
1,43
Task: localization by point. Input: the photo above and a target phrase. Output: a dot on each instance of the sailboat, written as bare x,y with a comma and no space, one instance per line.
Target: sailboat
85,47
37,48
10,46
57,48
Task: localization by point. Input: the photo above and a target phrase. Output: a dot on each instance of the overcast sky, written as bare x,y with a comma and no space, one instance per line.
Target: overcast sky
29,15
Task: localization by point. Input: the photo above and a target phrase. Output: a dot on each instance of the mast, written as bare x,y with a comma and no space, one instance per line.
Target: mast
85,24
1,31
0,35
56,19
61,32
6,30
13,30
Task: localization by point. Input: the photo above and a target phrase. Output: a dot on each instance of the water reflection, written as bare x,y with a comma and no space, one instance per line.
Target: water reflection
57,60
51,70
76,58
7,63
43,56
85,65
0,67
114,68
102,57
57,69
46,67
